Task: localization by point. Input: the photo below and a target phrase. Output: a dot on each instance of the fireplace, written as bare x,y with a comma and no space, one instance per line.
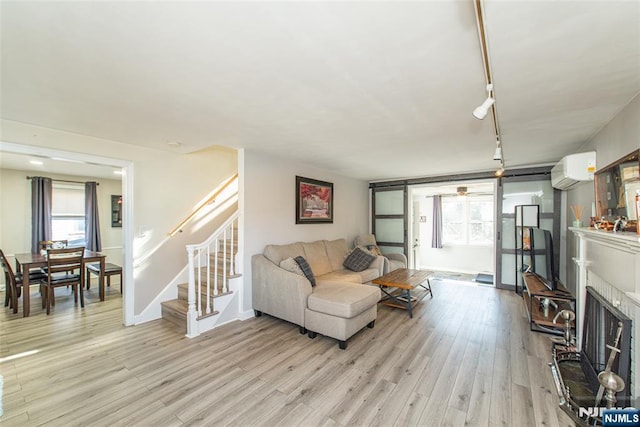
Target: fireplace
609,263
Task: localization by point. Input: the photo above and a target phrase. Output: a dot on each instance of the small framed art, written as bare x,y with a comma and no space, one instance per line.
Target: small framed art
314,201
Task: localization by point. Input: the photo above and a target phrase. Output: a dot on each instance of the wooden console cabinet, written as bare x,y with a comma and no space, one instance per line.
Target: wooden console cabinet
534,293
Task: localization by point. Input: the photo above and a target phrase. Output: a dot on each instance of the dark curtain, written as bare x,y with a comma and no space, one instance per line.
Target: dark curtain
436,239
41,190
92,221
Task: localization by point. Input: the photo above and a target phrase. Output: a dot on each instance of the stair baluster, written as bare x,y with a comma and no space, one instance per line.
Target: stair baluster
209,280
192,314
215,267
231,266
199,294
224,259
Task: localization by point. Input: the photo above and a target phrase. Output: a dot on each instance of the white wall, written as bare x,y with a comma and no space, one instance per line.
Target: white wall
470,259
166,187
619,137
269,207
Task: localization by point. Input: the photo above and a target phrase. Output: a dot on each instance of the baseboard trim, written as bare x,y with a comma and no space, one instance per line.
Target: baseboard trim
245,315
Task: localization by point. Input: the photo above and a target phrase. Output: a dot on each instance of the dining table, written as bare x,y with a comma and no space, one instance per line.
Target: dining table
29,261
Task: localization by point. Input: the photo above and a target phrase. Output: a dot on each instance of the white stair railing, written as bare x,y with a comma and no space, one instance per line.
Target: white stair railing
201,256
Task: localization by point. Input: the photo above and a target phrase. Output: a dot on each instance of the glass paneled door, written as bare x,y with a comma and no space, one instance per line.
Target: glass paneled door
517,191
389,222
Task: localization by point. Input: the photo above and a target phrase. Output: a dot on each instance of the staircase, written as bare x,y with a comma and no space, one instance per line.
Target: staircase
212,264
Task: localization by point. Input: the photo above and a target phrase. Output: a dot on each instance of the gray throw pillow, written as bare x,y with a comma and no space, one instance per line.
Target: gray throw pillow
358,260
306,269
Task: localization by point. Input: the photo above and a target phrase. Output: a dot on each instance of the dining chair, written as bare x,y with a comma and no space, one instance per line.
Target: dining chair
65,267
13,283
43,245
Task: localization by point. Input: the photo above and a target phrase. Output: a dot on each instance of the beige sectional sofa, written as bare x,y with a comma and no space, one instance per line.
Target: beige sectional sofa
391,261
338,306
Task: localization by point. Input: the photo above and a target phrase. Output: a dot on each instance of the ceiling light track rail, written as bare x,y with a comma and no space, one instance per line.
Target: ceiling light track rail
489,104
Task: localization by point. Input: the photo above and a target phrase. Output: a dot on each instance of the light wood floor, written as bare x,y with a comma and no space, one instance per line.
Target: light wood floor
466,358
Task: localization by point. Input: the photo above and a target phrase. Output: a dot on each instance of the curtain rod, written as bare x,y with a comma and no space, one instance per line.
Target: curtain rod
64,180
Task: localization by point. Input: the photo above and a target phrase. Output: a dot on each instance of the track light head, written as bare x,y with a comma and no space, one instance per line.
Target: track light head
481,112
498,154
499,172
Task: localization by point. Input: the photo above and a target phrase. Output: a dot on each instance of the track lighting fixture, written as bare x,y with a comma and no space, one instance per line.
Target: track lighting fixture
500,171
481,112
498,154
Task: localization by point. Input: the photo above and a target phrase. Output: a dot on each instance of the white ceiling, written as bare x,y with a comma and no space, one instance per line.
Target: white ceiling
43,164
373,90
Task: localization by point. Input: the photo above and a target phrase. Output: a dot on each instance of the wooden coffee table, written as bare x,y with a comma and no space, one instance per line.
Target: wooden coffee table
404,280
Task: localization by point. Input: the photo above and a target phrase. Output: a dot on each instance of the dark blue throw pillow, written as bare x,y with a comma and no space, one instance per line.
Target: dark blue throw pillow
306,269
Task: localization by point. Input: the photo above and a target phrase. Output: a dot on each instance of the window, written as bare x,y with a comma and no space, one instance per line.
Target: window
467,220
67,211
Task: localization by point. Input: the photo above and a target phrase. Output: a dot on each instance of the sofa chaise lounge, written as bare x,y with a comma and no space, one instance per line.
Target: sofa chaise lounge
338,306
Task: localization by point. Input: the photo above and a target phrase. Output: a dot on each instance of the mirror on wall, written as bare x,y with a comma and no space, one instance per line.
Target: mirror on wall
616,186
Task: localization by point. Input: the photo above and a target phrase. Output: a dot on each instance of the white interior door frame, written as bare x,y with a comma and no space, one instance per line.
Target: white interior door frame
127,197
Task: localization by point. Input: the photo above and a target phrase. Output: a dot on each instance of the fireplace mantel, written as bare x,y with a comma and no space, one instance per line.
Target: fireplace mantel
610,263
621,240
615,257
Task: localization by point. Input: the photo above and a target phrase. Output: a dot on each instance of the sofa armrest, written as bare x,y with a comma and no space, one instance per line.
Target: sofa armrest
398,257
378,264
277,291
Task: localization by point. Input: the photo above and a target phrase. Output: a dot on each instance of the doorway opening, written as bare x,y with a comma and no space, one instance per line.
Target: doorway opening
83,164
453,230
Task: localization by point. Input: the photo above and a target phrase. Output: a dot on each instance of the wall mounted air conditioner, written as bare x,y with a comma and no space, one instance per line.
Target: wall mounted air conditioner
573,169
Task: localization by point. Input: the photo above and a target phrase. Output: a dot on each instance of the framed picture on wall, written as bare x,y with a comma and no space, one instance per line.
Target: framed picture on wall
314,201
116,211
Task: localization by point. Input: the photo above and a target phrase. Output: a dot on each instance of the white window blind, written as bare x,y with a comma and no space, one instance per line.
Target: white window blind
67,208
68,200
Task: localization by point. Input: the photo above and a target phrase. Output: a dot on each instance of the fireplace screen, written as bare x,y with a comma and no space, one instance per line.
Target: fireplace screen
601,321
575,371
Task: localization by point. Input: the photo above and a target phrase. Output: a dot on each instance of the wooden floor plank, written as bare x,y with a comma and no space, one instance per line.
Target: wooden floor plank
540,390
480,398
466,357
291,416
436,406
258,409
522,406
453,417
372,405
226,405
412,410
500,411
